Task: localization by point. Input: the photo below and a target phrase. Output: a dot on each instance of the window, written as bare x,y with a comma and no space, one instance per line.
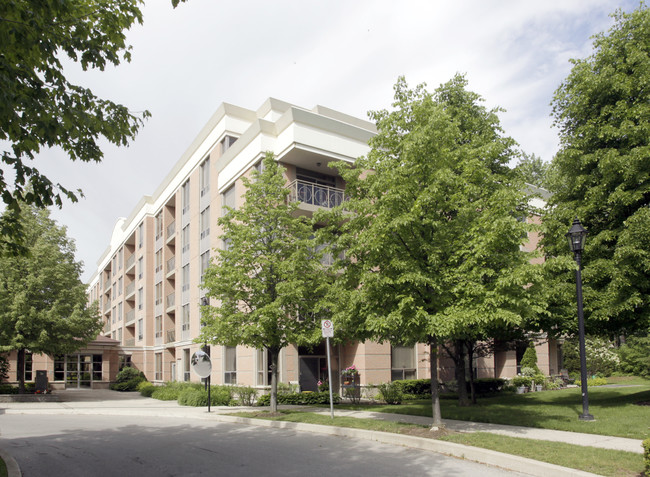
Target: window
226,243
119,335
185,197
185,239
114,295
113,266
402,360
205,263
158,326
113,315
59,367
159,260
120,256
205,176
158,367
185,318
29,366
158,293
228,199
140,235
119,286
230,365
159,225
119,311
140,332
140,267
97,367
186,364
205,222
186,277
263,367
226,142
140,298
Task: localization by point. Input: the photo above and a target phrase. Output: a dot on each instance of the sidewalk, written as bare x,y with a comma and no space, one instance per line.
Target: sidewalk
113,403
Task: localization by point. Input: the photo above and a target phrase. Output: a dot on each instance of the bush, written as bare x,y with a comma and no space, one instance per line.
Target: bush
485,386
193,397
601,356
419,387
596,382
635,356
168,391
522,381
300,398
529,359
646,456
128,379
246,395
391,393
8,389
146,389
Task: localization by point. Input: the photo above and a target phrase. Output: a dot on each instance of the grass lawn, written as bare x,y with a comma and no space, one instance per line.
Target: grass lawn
614,409
589,459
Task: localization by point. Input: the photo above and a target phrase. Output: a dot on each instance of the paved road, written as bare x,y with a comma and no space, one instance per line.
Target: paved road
143,446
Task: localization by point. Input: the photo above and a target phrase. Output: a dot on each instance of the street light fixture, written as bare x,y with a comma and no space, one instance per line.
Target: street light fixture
576,236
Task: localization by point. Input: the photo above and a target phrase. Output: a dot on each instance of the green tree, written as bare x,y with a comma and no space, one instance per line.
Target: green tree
602,175
268,280
533,170
434,226
40,108
43,303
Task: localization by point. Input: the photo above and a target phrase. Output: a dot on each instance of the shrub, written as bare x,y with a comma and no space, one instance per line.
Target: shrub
128,379
246,395
284,388
168,392
420,387
193,397
646,456
601,356
529,359
300,398
221,395
522,381
391,393
4,367
485,386
596,382
635,356
146,389
8,389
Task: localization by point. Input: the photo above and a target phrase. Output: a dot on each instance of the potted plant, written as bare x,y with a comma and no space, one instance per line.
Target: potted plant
350,375
539,380
522,383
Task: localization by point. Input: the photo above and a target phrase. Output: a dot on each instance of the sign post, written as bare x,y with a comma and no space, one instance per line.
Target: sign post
328,332
202,366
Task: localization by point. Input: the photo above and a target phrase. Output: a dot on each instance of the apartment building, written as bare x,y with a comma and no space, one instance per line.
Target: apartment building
148,281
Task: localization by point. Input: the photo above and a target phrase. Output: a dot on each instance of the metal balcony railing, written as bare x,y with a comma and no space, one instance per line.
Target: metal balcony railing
171,229
314,194
171,336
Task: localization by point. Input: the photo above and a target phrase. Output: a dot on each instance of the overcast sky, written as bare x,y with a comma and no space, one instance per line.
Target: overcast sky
345,55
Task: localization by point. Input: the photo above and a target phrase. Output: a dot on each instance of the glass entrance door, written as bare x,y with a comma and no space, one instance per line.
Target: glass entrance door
81,370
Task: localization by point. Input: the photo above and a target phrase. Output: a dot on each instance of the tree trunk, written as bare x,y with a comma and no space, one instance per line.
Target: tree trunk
459,372
470,358
435,393
274,379
20,364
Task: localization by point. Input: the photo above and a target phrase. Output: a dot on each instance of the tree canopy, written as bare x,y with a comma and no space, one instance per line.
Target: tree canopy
602,174
435,221
43,303
268,279
40,108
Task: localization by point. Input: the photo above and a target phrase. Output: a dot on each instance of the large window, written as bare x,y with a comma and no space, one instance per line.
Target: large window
159,260
186,277
205,222
140,329
185,197
228,199
230,365
226,142
158,293
185,239
140,267
158,326
140,235
185,318
263,367
158,375
186,364
159,225
205,263
402,363
205,176
29,366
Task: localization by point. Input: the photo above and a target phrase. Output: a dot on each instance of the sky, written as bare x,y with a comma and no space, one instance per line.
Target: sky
345,55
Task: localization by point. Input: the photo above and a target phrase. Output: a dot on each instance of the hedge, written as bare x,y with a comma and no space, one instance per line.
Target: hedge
299,398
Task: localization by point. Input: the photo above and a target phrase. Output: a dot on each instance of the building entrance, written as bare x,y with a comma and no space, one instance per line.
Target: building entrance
78,370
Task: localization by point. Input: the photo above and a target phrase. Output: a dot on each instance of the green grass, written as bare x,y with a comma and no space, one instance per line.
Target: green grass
614,410
589,459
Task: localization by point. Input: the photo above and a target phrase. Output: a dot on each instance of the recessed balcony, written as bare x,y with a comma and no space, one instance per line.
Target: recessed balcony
312,196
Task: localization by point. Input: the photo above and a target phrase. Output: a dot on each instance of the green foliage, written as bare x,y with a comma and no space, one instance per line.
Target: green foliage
300,398
6,388
391,393
487,386
418,387
4,367
269,281
198,396
646,456
286,388
43,303
533,170
146,389
596,382
246,395
168,392
601,356
128,379
634,356
529,359
601,176
522,381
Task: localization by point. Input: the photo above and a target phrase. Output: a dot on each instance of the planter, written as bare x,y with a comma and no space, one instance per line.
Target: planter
539,387
522,389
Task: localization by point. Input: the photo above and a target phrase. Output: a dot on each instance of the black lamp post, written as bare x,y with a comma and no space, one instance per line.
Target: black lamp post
576,236
206,350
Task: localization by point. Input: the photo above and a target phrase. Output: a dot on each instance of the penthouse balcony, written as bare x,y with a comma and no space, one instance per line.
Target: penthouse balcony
311,195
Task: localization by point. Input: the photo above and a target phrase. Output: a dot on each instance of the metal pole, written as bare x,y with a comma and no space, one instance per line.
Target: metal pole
329,376
207,380
585,416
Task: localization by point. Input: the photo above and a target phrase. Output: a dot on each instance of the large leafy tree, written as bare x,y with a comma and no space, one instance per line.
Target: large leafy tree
40,108
43,303
433,238
602,174
268,279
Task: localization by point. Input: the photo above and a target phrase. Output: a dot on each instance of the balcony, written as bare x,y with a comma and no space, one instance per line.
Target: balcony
170,232
129,342
170,301
314,195
129,318
130,265
170,267
171,336
129,291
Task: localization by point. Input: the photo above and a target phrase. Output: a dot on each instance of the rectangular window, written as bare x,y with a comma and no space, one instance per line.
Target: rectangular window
119,311
185,239
402,362
97,367
159,225
226,142
205,222
205,176
158,293
158,367
158,326
119,335
120,256
186,277
228,199
114,294
114,265
29,366
186,364
159,260
230,365
185,318
113,314
59,367
140,235
263,370
140,298
140,267
119,286
185,197
140,332
205,263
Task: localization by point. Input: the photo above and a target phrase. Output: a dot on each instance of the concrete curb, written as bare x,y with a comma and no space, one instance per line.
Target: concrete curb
13,470
475,454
